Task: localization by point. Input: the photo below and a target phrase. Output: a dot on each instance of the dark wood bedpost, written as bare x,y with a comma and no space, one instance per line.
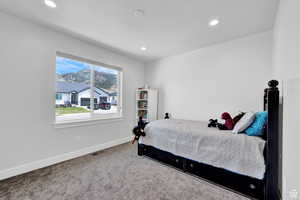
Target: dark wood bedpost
265,98
141,125
272,146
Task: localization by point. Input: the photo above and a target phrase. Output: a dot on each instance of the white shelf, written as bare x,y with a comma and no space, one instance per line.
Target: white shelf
150,100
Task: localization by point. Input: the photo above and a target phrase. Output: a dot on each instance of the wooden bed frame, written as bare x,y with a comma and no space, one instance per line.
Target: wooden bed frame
266,189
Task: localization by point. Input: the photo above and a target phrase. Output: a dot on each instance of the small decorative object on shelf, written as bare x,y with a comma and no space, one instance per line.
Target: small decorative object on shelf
146,103
142,104
142,113
143,95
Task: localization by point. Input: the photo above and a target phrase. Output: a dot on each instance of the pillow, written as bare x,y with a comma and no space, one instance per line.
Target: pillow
237,118
244,122
256,129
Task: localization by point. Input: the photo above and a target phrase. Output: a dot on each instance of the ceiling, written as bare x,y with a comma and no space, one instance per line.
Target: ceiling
168,27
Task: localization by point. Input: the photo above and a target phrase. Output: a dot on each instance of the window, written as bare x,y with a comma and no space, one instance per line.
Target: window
86,90
58,96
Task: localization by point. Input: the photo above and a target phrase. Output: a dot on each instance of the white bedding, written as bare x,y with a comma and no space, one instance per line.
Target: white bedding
238,153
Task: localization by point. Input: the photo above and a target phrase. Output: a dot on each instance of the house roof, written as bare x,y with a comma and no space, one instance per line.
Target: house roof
101,92
69,87
113,94
110,93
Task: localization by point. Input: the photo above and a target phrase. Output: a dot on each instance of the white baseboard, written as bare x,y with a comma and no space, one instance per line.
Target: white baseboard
4,174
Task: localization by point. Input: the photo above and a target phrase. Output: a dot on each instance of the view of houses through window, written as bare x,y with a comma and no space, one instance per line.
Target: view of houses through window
77,82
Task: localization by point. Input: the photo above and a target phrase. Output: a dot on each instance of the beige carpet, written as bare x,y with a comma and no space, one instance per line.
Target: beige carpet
113,174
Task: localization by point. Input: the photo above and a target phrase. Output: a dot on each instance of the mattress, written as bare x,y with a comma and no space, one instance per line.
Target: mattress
238,153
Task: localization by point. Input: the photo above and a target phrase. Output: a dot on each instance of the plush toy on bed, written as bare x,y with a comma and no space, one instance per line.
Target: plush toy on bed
213,123
228,122
138,131
167,116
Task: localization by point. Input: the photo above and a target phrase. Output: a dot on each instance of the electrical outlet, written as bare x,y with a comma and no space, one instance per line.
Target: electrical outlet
293,194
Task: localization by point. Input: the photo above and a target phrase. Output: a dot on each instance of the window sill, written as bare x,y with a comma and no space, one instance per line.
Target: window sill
86,122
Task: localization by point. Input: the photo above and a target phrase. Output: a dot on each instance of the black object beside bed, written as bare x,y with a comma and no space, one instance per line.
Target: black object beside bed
265,189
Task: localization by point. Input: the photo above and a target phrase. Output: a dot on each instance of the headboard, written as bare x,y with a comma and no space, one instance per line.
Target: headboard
271,105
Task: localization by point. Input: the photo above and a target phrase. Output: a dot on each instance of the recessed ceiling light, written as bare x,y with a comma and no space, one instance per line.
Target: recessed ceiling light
139,12
143,48
214,22
50,3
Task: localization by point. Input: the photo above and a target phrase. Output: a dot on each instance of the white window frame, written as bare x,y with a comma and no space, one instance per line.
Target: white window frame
92,117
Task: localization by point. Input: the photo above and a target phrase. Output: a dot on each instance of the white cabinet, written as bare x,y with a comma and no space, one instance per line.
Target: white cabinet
146,104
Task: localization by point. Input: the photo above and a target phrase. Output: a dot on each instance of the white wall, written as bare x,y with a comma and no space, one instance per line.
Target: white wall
64,97
204,83
27,75
287,68
287,40
86,94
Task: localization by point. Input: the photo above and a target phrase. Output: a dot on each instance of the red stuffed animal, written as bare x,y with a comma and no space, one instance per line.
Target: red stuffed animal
229,124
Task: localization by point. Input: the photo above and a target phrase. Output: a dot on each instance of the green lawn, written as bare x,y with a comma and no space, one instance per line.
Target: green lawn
71,110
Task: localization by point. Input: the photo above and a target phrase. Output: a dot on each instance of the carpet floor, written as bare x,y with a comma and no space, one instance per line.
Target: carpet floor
113,174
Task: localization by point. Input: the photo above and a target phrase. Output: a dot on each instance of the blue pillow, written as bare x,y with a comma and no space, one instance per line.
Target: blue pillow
256,128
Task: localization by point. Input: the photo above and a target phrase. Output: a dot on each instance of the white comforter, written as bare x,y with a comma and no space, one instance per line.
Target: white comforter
238,153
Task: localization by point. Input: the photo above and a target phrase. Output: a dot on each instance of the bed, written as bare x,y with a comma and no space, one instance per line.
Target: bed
244,164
